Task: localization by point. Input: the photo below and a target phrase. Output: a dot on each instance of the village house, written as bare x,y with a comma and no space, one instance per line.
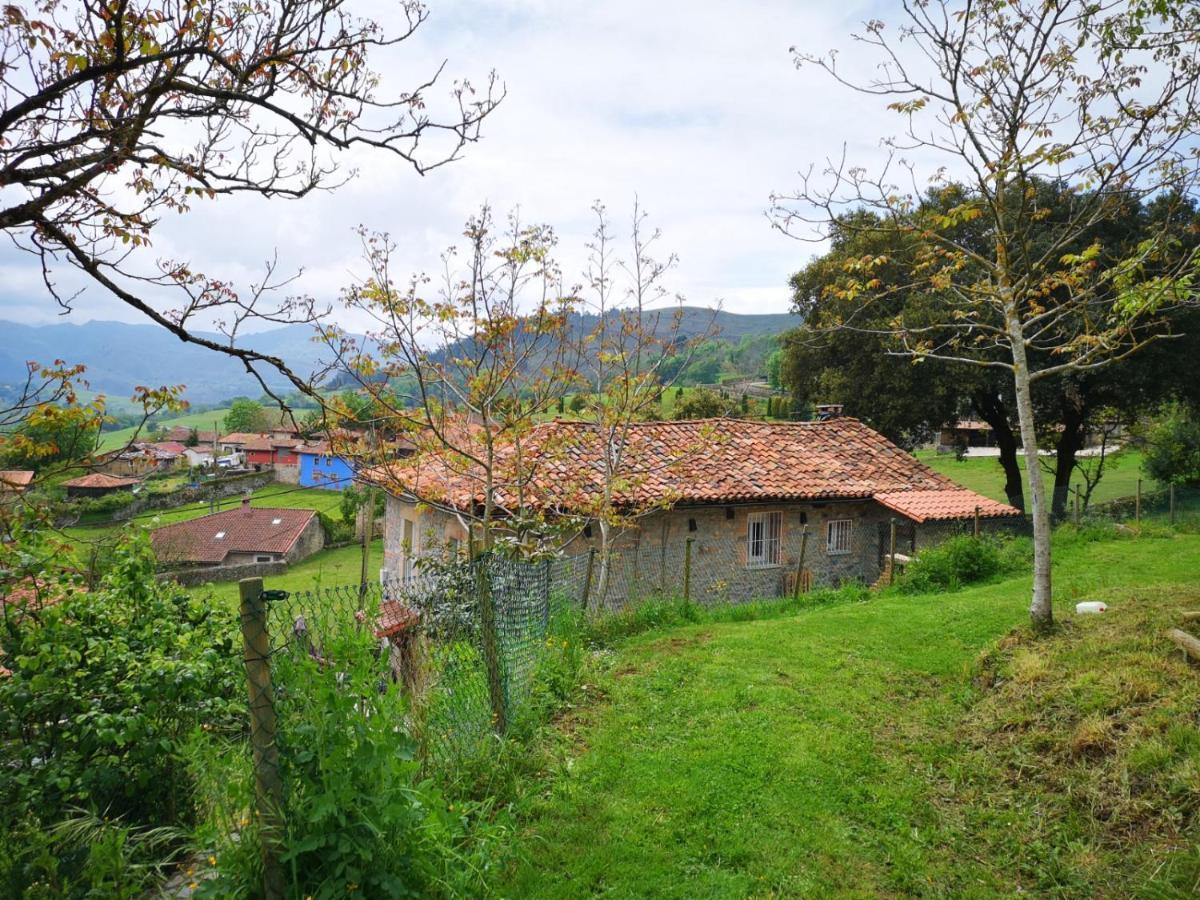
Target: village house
183,434
15,481
240,536
322,467
747,495
97,484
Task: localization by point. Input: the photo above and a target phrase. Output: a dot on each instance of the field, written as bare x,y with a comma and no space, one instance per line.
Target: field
202,421
900,746
278,495
329,568
983,474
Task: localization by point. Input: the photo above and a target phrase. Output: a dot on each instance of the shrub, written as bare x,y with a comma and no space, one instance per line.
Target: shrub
106,688
954,563
337,531
1172,447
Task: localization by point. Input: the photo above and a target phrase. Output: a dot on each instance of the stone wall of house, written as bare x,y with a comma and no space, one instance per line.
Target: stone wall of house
194,575
650,559
311,540
433,529
288,473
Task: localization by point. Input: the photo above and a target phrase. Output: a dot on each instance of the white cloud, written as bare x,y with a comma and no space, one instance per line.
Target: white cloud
695,108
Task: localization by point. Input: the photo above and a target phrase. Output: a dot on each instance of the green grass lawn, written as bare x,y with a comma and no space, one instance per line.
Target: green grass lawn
865,750
273,495
329,568
983,474
201,421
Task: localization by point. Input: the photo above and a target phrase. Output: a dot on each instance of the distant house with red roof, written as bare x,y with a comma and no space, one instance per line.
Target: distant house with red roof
747,495
97,484
15,481
246,534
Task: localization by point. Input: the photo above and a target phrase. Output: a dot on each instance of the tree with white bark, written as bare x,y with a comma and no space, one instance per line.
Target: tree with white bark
998,95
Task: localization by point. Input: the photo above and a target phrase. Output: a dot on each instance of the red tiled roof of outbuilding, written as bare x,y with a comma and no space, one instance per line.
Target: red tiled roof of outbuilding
246,529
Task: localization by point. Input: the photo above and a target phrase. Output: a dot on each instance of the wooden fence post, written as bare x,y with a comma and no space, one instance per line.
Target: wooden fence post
268,788
892,554
1171,495
1137,503
587,580
687,570
976,530
800,563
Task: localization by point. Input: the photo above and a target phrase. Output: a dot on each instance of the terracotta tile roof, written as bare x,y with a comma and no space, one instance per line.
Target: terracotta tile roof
240,437
242,530
395,617
100,480
924,506
182,432
170,446
691,462
15,479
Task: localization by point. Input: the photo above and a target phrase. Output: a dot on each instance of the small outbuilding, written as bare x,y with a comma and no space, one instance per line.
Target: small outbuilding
240,536
97,484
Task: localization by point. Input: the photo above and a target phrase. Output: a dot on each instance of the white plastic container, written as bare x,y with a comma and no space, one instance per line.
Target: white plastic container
1090,606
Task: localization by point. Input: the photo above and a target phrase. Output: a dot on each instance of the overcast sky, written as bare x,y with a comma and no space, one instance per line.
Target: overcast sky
693,107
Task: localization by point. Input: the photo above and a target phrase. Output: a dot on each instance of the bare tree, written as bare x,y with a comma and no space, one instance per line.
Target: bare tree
627,359
1007,94
114,113
465,371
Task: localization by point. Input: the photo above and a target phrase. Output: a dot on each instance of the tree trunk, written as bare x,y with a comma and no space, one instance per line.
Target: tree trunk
1069,443
599,595
1041,612
992,410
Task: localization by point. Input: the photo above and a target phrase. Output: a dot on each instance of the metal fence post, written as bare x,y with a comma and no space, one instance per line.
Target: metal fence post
268,788
800,563
587,579
1077,495
490,641
1171,496
687,570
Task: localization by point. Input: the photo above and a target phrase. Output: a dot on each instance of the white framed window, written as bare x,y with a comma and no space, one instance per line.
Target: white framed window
838,535
764,531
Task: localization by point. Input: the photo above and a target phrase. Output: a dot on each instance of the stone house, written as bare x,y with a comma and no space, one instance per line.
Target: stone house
748,497
240,536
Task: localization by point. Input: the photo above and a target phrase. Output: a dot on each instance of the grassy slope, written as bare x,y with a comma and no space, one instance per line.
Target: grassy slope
983,474
277,495
202,421
329,568
848,750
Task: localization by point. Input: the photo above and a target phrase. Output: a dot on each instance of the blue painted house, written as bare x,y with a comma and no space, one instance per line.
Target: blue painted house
320,467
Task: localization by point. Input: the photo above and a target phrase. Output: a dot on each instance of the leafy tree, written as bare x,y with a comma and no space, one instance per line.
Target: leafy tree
1101,99
775,368
578,402
113,114
702,403
247,416
1172,446
193,438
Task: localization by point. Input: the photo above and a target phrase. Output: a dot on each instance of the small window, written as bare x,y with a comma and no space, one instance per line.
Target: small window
838,536
276,521
763,538
691,524
220,536
262,559
587,531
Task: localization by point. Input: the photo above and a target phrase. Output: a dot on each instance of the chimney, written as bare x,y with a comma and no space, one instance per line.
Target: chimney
827,411
246,504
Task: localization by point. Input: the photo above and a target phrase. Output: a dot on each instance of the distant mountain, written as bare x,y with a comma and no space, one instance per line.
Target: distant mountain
120,356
